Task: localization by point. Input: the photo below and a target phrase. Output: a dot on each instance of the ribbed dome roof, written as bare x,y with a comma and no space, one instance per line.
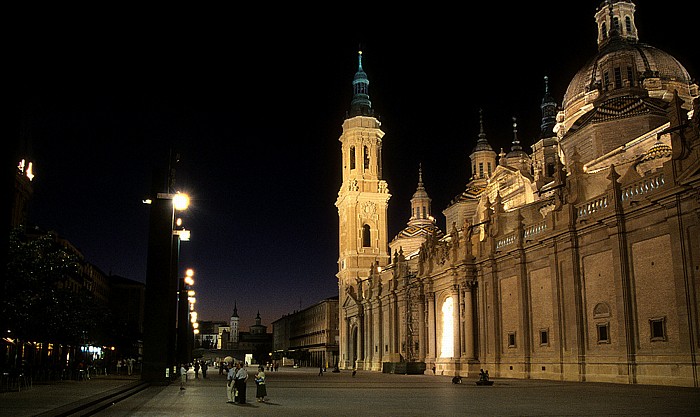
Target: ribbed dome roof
650,62
659,150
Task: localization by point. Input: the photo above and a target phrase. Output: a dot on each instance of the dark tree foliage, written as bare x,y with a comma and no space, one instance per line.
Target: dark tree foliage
38,304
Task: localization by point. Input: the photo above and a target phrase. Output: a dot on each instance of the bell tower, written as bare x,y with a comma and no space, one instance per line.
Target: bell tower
362,211
363,197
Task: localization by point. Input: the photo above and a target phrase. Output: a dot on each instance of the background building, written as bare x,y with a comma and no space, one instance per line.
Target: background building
309,337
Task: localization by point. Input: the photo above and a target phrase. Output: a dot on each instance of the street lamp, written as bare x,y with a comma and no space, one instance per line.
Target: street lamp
161,285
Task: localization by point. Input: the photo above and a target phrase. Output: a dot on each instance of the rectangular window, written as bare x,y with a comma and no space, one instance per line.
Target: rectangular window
630,77
489,167
481,170
603,332
544,337
618,77
658,329
606,81
511,339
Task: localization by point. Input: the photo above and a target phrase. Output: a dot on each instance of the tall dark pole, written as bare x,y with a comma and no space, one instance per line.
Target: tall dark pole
159,321
172,304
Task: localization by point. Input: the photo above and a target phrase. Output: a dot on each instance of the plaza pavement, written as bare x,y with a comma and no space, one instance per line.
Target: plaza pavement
302,392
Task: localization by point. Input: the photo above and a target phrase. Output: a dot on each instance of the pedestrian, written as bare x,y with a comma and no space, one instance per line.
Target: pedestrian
130,365
196,369
240,379
183,376
354,372
261,388
119,366
230,385
320,371
204,369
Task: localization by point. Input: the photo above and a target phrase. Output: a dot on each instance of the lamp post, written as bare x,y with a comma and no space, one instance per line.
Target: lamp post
161,287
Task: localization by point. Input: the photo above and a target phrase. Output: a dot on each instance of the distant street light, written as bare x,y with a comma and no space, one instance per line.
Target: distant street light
186,302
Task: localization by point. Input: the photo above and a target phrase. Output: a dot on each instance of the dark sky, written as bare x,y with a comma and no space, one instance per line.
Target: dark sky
254,106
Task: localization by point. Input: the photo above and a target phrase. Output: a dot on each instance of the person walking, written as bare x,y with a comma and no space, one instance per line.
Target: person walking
130,365
230,385
183,376
204,369
196,369
261,389
240,379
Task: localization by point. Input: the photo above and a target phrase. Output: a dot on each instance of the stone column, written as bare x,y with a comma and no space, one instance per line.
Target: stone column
469,320
421,329
456,345
431,325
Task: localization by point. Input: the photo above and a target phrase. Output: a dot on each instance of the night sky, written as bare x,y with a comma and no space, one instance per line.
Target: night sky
254,106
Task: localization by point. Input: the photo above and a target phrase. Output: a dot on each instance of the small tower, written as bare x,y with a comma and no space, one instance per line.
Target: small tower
233,336
544,151
517,158
421,224
483,157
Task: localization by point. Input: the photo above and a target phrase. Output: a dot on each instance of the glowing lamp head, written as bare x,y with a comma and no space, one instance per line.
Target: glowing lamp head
181,201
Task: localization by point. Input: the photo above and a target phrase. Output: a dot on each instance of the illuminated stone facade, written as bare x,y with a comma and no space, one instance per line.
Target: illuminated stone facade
579,261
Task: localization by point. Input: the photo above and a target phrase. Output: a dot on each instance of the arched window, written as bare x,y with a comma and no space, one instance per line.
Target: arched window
604,30
366,237
352,157
628,24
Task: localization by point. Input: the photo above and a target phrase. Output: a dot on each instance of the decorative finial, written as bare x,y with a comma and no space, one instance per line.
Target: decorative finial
481,121
516,142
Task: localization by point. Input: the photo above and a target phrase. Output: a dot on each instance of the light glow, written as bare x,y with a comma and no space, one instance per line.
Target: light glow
447,339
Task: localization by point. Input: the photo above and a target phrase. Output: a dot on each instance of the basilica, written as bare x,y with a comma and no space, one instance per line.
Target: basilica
575,260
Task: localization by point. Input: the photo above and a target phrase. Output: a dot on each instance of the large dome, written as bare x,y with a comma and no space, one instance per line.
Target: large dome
650,63
623,67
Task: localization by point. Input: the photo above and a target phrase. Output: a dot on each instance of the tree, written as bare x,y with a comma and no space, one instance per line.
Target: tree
38,302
